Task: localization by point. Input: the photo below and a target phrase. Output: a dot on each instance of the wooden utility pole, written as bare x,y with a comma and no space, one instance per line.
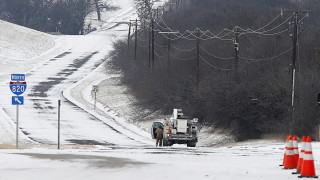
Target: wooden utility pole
169,46
198,60
295,38
157,13
236,48
153,39
149,48
136,40
294,57
129,34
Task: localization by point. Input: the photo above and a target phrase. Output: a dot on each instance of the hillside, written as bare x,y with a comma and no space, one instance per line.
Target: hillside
21,48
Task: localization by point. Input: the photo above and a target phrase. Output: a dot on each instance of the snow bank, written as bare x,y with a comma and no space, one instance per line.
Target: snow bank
8,132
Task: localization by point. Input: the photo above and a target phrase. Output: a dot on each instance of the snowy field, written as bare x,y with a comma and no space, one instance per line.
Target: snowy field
106,142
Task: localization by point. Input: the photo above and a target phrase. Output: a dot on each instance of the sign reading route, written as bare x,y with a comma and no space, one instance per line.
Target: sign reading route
18,85
18,88
18,77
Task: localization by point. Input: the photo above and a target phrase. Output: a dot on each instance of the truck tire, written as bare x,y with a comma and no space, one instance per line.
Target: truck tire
191,144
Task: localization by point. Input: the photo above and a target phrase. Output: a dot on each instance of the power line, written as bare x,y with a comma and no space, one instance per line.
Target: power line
182,50
161,46
265,59
211,65
218,57
161,56
182,59
144,46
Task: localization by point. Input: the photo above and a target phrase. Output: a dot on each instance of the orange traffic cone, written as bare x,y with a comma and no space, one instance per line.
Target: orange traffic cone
307,169
285,151
289,162
303,145
296,150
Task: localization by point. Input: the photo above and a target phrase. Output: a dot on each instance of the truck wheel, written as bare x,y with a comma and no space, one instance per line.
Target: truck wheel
191,144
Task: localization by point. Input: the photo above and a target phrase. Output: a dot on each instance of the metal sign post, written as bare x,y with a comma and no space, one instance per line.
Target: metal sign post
95,89
17,127
18,86
59,104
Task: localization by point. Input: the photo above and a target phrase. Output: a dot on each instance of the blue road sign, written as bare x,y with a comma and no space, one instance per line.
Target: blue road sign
17,100
18,88
18,77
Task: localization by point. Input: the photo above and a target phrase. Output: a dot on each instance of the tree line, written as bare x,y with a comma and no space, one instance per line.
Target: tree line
254,98
65,16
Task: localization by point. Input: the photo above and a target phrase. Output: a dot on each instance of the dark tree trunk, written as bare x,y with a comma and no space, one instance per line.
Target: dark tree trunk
98,9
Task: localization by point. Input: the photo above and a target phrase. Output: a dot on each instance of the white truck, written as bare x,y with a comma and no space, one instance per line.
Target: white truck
177,130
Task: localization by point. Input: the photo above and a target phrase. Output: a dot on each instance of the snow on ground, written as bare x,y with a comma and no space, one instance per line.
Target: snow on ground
251,160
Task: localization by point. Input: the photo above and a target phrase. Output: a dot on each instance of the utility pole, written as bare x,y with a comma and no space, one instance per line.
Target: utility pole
153,39
236,48
237,34
157,13
198,61
294,57
149,48
169,46
129,34
136,40
295,38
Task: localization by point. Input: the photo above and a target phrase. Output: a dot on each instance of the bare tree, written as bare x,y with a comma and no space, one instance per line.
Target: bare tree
144,8
100,6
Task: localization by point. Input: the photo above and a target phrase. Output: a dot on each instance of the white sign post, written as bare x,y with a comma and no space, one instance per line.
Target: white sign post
17,87
95,89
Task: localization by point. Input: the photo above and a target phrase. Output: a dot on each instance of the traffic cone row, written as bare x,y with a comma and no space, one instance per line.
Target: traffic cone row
303,163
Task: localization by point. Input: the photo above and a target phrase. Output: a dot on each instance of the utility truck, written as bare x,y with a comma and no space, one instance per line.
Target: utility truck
177,130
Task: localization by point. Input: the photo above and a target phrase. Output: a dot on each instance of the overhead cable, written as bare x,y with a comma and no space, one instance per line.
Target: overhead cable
218,57
213,66
265,59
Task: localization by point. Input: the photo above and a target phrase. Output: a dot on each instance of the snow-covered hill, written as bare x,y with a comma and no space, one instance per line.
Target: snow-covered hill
22,48
18,42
